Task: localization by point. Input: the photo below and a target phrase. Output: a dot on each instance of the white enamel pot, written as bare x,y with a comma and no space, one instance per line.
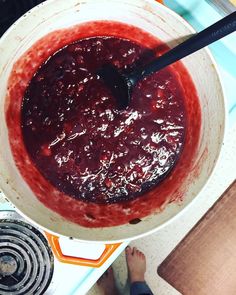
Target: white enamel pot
169,28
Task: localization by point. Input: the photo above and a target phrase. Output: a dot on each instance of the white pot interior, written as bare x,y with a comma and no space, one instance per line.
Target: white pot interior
168,27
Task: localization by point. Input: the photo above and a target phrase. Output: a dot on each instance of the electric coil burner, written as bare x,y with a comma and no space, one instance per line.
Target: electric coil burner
26,261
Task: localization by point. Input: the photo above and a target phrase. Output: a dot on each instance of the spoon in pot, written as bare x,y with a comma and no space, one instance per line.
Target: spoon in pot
121,84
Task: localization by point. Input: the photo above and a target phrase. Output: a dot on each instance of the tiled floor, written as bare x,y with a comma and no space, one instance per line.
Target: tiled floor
149,246
158,245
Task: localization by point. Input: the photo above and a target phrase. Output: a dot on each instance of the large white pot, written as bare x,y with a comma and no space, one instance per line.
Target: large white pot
167,26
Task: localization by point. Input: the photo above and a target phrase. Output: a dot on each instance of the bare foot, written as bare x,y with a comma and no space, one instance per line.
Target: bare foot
107,283
136,263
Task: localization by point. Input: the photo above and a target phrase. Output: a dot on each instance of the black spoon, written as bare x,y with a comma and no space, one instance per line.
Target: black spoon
121,84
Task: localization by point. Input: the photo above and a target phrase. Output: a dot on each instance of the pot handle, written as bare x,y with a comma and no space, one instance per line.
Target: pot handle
55,245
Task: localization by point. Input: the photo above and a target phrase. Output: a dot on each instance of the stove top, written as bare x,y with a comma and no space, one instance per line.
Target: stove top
80,278
26,261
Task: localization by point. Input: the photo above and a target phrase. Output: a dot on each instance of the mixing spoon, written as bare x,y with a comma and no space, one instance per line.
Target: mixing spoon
121,84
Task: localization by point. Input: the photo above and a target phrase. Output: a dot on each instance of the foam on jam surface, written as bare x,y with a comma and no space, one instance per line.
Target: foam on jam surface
52,137
78,138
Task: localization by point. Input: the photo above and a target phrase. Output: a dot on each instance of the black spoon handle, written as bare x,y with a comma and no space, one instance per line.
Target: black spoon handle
211,34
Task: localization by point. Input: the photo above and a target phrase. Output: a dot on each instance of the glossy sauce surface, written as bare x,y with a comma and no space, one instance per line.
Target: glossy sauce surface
79,139
94,214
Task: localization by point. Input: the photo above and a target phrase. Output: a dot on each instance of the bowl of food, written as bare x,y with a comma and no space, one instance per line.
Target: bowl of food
71,160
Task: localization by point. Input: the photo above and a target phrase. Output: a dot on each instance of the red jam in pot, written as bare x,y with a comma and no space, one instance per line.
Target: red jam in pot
82,157
78,138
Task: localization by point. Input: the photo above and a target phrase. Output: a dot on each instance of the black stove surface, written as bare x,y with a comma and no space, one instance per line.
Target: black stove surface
11,10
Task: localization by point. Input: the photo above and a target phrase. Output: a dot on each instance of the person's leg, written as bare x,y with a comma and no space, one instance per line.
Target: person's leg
136,263
107,283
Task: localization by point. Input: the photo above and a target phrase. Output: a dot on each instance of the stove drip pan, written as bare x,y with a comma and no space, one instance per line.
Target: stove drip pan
26,261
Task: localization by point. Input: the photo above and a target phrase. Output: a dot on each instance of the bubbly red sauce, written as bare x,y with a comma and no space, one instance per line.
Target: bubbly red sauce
82,142
72,145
